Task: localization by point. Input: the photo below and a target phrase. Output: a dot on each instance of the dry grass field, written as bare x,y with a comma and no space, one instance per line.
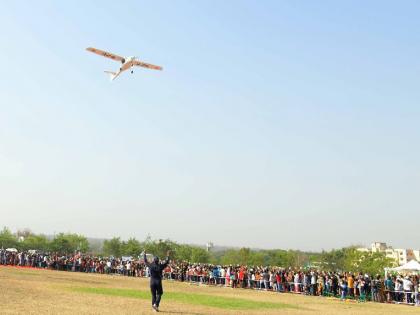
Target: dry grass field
29,291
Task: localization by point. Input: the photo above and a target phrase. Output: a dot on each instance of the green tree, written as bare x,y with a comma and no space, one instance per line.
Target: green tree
374,263
69,243
350,259
259,258
368,262
7,239
183,252
38,242
333,260
199,255
131,248
284,258
113,247
230,257
244,255
158,247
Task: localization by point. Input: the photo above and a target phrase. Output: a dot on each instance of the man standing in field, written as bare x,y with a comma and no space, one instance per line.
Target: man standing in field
155,269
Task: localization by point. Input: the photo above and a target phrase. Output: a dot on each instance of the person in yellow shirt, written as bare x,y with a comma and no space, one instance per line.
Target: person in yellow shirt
350,282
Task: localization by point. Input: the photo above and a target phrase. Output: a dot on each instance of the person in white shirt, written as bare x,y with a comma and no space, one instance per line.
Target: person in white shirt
313,283
398,289
408,289
296,281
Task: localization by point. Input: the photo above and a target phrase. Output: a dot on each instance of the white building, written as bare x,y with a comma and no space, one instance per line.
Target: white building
399,255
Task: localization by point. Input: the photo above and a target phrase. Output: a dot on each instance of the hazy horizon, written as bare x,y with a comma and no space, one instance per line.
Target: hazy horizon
274,124
101,239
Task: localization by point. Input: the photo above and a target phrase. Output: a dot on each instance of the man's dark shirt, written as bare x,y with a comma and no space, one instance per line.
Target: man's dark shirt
156,269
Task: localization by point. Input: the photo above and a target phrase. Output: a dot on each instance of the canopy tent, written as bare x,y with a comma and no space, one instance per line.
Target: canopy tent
14,250
411,267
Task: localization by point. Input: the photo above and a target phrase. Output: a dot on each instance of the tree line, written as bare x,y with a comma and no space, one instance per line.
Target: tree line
344,259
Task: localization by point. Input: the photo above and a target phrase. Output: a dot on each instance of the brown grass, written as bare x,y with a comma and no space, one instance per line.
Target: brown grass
24,291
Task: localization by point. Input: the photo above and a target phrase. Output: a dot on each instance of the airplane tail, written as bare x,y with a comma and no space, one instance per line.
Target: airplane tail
112,75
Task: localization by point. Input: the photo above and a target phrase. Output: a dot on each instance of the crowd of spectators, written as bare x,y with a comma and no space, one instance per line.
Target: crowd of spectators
344,285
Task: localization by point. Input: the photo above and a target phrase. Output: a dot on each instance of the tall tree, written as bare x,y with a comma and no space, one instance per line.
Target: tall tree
37,242
69,243
199,255
113,247
183,252
7,238
244,255
131,248
158,247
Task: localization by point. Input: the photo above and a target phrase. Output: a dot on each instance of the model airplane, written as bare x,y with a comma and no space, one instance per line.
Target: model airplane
126,62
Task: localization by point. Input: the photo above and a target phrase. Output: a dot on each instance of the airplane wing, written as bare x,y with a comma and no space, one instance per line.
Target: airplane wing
146,65
105,54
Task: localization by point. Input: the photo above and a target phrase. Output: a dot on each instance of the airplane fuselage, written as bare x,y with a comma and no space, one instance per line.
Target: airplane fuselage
127,63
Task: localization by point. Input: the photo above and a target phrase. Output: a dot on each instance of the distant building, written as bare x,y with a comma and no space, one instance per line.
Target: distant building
400,256
209,246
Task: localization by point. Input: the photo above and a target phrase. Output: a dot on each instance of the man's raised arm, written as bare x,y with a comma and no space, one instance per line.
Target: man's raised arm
166,262
145,259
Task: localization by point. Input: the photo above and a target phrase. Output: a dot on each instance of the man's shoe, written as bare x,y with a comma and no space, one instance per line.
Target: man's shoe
155,308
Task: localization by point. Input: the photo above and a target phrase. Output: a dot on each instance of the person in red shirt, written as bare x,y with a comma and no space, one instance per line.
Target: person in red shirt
278,281
241,277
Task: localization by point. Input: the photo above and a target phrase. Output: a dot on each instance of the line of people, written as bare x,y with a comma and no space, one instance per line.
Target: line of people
345,285
359,286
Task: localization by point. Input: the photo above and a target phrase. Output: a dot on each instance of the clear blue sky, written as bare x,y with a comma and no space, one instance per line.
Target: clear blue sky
290,124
